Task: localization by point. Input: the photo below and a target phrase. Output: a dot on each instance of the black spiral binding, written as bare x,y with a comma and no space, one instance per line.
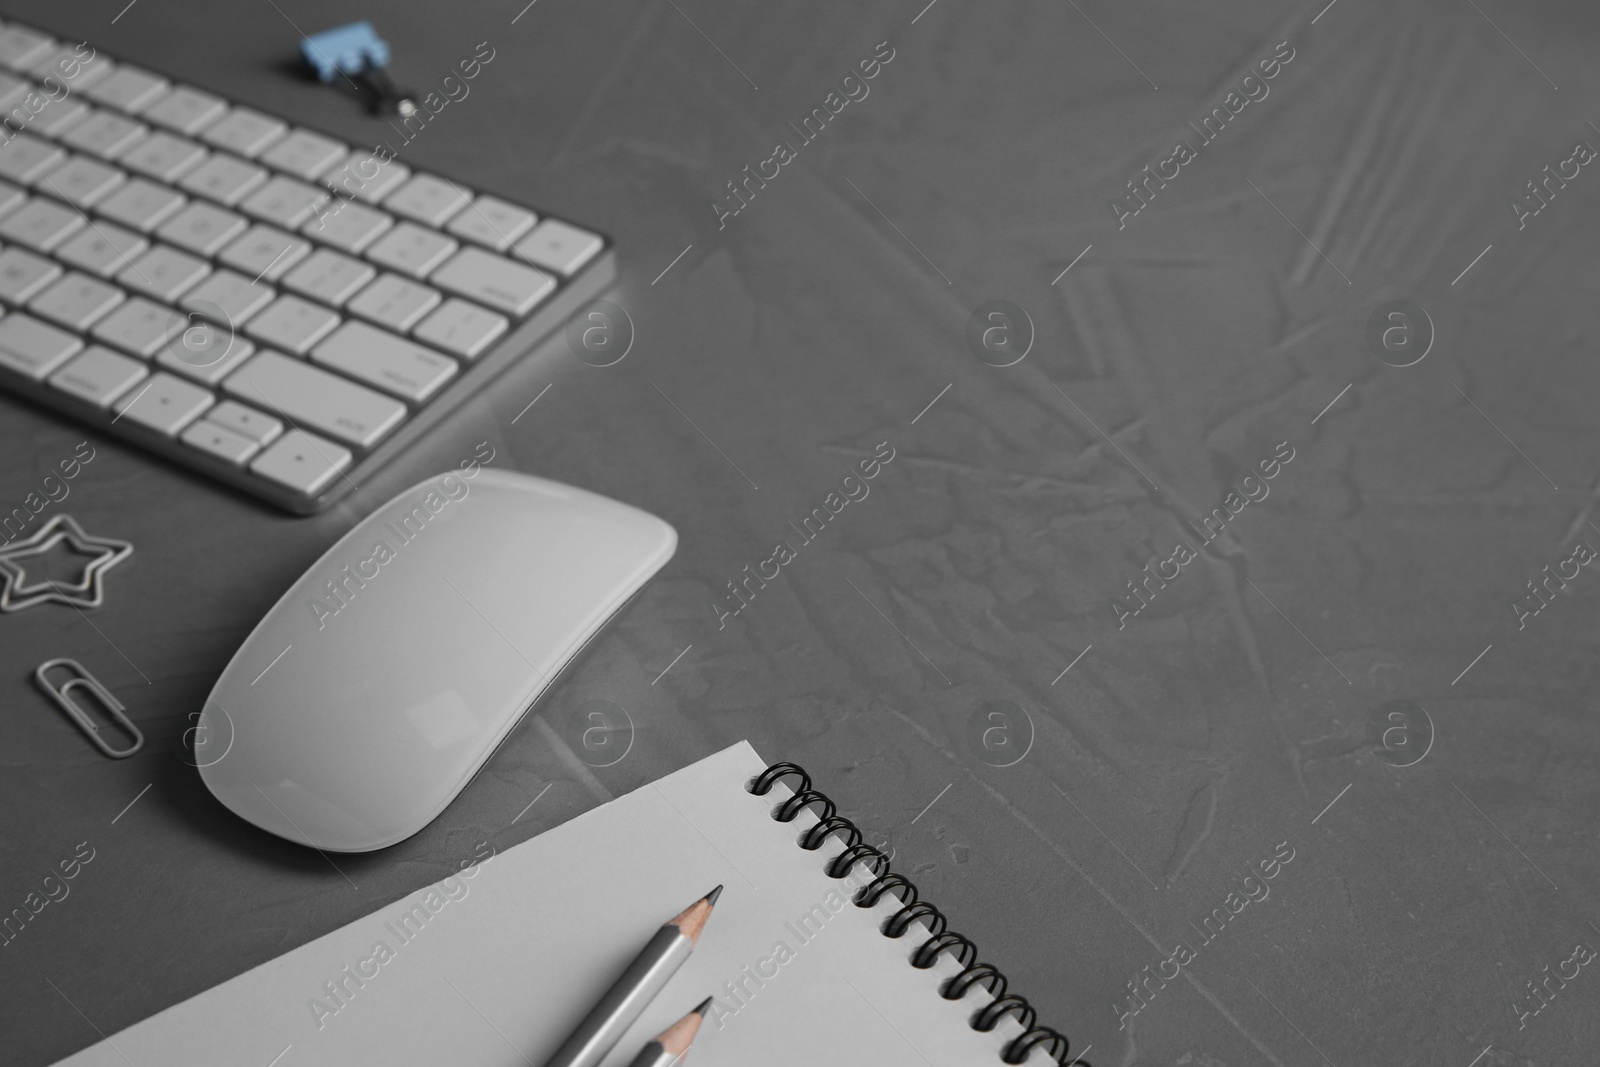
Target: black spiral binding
941,939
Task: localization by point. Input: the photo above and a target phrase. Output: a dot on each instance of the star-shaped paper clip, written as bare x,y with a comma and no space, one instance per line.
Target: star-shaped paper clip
16,594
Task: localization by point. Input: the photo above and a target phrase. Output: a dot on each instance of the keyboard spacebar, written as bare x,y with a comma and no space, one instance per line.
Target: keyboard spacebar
314,399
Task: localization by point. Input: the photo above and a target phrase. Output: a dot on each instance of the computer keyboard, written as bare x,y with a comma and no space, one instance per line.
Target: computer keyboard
252,299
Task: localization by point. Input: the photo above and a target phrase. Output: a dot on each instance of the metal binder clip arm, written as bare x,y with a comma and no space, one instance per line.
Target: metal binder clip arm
113,707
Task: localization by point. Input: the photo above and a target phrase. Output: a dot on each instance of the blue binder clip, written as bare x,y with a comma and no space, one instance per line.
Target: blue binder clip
357,53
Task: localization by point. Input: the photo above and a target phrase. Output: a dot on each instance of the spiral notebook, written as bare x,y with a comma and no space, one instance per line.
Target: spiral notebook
492,968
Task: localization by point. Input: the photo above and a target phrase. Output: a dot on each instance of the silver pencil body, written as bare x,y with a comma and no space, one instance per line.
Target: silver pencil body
625,1001
654,1055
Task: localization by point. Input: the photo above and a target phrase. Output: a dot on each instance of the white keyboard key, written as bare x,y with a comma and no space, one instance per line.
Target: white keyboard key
202,228
166,405
559,247
348,226
494,280
185,110
244,132
105,134
391,363
11,197
305,155
410,249
60,117
339,160
285,202
98,375
461,328
225,445
237,297
33,349
70,65
128,89
22,274
12,92
329,276
394,302
224,178
102,249
40,224
312,397
246,422
492,222
163,273
25,158
209,361
291,324
82,181
139,327
427,199
141,204
325,210
264,252
76,301
366,177
21,48
163,156
302,462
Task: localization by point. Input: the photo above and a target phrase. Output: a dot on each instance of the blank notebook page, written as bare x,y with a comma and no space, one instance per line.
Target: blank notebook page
493,970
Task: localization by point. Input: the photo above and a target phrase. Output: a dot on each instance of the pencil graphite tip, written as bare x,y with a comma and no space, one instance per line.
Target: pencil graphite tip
703,1007
693,918
677,1038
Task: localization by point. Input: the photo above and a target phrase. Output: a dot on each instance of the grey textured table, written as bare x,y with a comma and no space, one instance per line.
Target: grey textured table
1229,720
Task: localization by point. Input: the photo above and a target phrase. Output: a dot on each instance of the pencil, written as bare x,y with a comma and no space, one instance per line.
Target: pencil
671,1044
627,998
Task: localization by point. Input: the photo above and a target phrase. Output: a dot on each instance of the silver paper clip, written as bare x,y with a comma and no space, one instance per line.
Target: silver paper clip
112,705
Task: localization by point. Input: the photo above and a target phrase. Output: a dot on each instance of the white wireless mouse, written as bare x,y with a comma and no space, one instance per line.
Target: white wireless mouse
387,675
